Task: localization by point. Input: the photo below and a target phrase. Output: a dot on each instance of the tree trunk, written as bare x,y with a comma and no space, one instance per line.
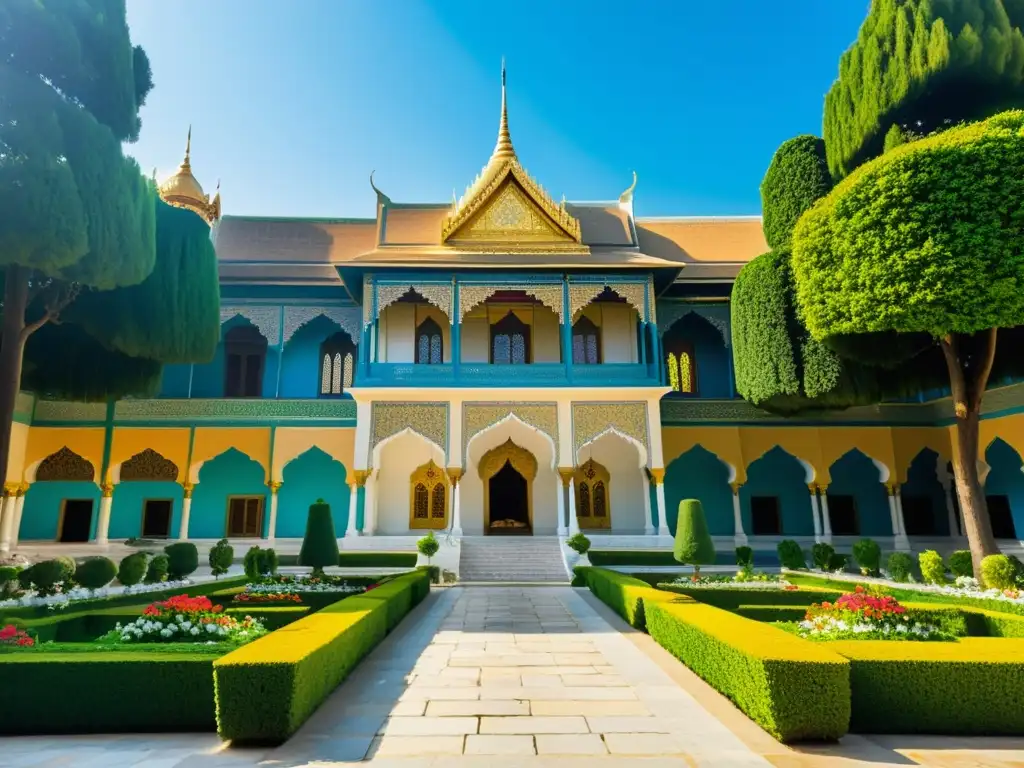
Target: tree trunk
12,347
967,397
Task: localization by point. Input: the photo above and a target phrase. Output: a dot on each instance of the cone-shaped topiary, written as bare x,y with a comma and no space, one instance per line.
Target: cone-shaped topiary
319,546
693,542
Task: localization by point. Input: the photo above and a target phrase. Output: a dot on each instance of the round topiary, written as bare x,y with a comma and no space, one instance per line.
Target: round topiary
899,566
998,572
868,555
95,572
821,555
157,569
578,543
133,569
222,556
251,564
745,558
693,545
791,555
933,570
428,546
319,545
183,559
797,177
267,561
45,575
960,563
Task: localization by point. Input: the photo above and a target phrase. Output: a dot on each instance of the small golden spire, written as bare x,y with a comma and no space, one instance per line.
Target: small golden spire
186,164
503,149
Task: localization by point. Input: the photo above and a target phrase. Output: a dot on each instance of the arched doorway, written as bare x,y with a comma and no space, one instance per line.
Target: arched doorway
507,473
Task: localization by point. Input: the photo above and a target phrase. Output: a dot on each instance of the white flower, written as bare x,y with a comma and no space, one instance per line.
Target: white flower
194,631
165,632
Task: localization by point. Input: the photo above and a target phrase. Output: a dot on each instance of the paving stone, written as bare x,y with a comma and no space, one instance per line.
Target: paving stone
477,708
416,746
489,744
570,744
427,693
589,708
541,693
619,724
430,726
543,680
642,744
533,725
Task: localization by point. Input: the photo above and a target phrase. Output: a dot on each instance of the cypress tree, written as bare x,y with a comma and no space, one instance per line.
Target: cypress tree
319,545
693,544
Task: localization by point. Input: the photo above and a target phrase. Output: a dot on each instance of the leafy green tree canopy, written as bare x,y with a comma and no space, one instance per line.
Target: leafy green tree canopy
925,239
923,65
797,177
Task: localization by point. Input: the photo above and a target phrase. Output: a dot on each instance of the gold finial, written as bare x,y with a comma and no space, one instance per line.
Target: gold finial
627,196
186,164
503,149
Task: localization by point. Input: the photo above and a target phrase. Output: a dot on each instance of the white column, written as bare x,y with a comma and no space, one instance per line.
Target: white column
353,507
186,510
954,523
574,524
560,486
737,517
815,513
275,486
6,521
454,474
370,508
649,527
899,537
826,516
658,475
18,509
103,522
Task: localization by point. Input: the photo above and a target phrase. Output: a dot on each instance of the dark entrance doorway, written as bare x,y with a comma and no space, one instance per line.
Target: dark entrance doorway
156,519
76,520
509,503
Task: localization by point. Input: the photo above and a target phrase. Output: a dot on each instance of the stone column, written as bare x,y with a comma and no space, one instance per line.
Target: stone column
186,509
564,490
737,515
7,515
899,534
103,522
658,476
370,505
815,512
947,491
649,525
359,476
826,516
274,486
353,506
566,330
19,507
574,523
454,475
456,332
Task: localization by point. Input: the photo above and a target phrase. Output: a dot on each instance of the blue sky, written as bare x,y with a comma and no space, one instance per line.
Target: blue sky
293,103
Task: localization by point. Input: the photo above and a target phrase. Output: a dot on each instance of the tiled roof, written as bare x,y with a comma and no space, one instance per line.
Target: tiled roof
723,240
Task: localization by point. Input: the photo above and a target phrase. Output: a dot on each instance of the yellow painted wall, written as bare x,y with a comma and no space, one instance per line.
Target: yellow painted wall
291,442
171,443
87,442
16,458
211,442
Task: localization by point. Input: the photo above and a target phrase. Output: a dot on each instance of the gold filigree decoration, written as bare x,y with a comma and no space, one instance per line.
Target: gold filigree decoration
476,418
592,419
428,497
510,217
367,300
427,419
652,314
65,465
593,495
522,461
471,296
438,295
149,465
581,294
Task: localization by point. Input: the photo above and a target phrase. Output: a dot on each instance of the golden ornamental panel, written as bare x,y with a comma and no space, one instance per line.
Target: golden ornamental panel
581,294
478,417
592,419
471,296
440,295
149,465
652,313
522,461
65,465
427,419
367,300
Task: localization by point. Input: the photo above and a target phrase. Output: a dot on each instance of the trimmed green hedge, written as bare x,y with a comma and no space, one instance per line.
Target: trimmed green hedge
623,594
267,689
731,599
794,689
633,557
115,691
363,560
272,616
969,687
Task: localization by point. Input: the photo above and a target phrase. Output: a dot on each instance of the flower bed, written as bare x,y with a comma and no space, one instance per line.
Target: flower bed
62,599
299,584
11,636
859,615
266,597
187,619
742,580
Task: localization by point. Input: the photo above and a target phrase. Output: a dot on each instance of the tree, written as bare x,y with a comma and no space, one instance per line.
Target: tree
927,241
797,177
923,65
693,544
319,545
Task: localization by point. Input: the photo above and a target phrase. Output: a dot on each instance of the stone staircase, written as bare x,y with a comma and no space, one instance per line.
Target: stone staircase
512,559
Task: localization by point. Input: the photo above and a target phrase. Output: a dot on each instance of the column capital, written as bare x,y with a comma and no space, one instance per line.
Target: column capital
735,487
23,489
815,488
11,489
107,489
454,475
566,473
274,486
187,488
657,475
360,477
892,488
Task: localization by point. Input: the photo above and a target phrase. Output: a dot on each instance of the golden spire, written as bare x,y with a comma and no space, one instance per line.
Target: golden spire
184,191
503,149
186,164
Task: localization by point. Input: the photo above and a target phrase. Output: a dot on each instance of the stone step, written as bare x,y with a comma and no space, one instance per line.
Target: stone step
507,559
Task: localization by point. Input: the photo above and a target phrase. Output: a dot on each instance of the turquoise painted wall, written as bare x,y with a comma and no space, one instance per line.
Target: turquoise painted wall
699,474
41,513
855,475
713,359
1005,478
230,474
777,473
208,378
126,512
174,381
922,481
300,372
311,476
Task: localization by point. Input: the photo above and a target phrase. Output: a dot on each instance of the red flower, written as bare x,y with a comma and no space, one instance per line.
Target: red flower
372,586
11,635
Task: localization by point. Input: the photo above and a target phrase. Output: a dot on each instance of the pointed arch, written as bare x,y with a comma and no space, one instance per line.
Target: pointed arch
775,499
858,504
641,449
1004,490
593,495
428,502
65,466
701,474
586,342
507,427
245,358
147,465
510,341
333,376
429,343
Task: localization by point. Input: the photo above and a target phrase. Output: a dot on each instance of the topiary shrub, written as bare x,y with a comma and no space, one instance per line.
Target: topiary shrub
47,576
428,546
960,563
10,586
797,177
157,570
222,557
268,561
133,569
693,544
791,555
821,554
578,543
933,570
899,566
95,572
250,563
868,556
998,572
319,545
182,559
838,562
745,558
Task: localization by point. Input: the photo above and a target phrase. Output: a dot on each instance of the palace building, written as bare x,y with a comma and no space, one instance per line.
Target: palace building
500,365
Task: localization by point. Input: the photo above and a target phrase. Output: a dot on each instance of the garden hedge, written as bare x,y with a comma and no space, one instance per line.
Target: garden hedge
794,689
972,686
273,616
623,594
267,689
731,599
169,688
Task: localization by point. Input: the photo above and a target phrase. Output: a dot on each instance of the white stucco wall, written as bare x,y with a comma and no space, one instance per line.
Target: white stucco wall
398,459
546,342
398,324
621,459
475,339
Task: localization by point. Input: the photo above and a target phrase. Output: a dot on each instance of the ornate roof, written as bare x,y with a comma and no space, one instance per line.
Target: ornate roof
182,190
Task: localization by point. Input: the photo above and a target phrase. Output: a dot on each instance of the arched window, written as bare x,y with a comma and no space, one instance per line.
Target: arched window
593,501
682,366
428,507
586,342
429,343
510,341
337,355
245,354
